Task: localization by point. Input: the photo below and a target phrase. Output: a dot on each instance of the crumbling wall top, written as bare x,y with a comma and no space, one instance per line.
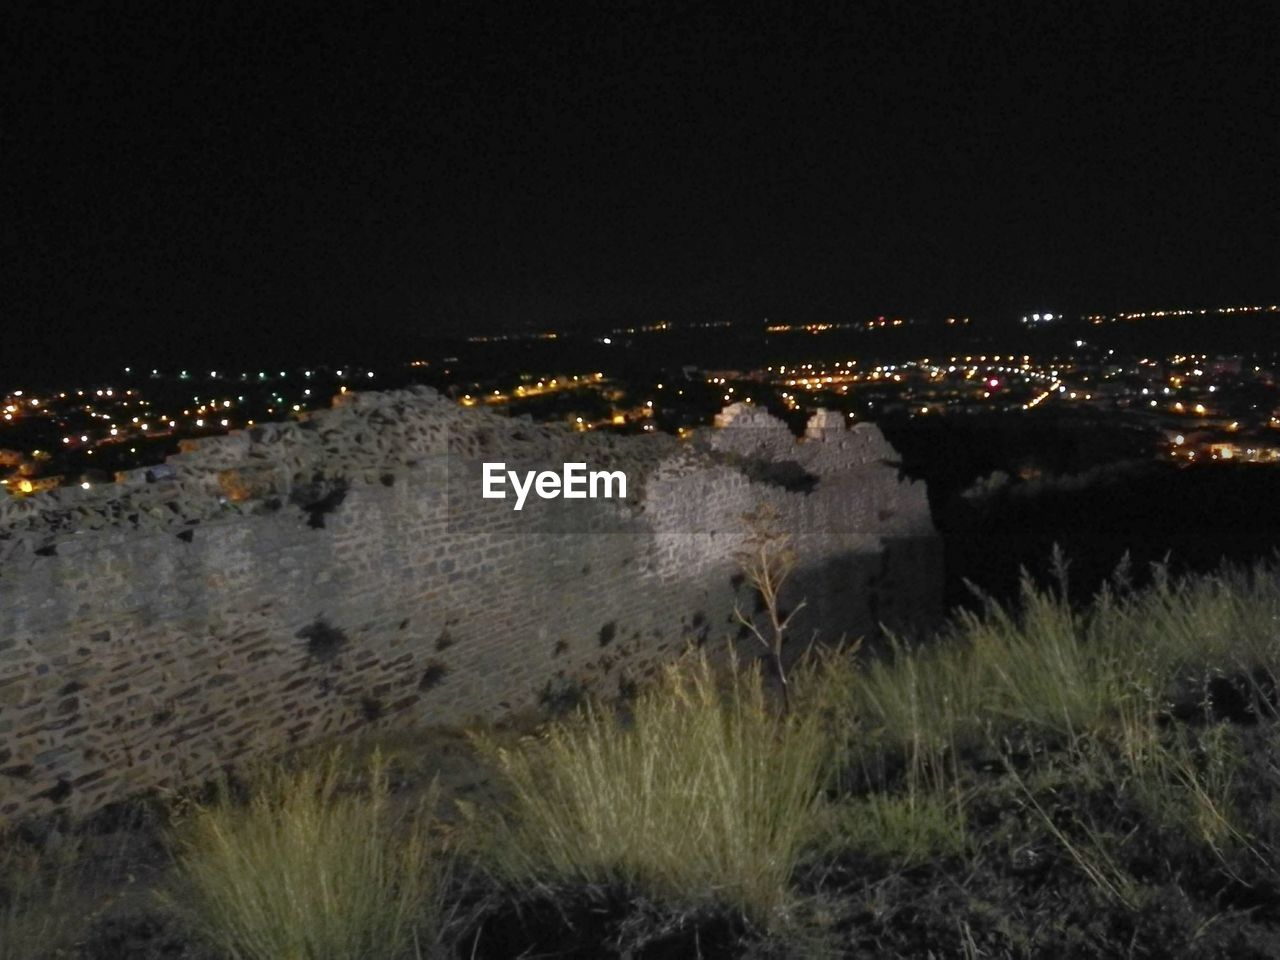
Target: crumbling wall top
364,436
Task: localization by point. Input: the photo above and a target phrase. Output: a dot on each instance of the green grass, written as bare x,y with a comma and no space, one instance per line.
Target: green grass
1065,672
312,868
704,792
1070,703
1040,777
906,828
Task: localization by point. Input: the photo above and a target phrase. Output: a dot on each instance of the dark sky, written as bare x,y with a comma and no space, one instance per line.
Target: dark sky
182,177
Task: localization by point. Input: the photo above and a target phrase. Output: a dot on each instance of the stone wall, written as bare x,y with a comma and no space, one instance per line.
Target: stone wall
292,581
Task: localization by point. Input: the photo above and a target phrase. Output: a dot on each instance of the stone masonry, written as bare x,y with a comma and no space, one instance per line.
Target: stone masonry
295,581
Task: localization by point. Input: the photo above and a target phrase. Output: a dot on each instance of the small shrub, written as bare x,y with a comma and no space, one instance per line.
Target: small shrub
311,869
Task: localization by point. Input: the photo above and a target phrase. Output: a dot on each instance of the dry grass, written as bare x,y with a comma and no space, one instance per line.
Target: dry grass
311,868
703,792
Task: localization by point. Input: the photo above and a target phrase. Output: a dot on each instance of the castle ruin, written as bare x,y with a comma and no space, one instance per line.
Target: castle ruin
294,581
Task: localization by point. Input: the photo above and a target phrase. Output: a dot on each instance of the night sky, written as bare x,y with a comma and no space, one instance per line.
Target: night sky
230,179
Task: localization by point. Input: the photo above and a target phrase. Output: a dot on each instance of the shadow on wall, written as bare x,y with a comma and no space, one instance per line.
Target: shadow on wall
858,595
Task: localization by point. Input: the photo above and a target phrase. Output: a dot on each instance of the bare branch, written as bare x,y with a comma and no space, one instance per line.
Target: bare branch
767,561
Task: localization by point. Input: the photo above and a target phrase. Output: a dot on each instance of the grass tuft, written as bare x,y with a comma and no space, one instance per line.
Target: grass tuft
703,792
312,868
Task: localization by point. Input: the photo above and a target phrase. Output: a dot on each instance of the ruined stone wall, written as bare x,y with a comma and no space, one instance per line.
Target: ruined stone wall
293,581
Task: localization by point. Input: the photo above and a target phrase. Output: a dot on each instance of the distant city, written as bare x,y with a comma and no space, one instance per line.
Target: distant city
1188,408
